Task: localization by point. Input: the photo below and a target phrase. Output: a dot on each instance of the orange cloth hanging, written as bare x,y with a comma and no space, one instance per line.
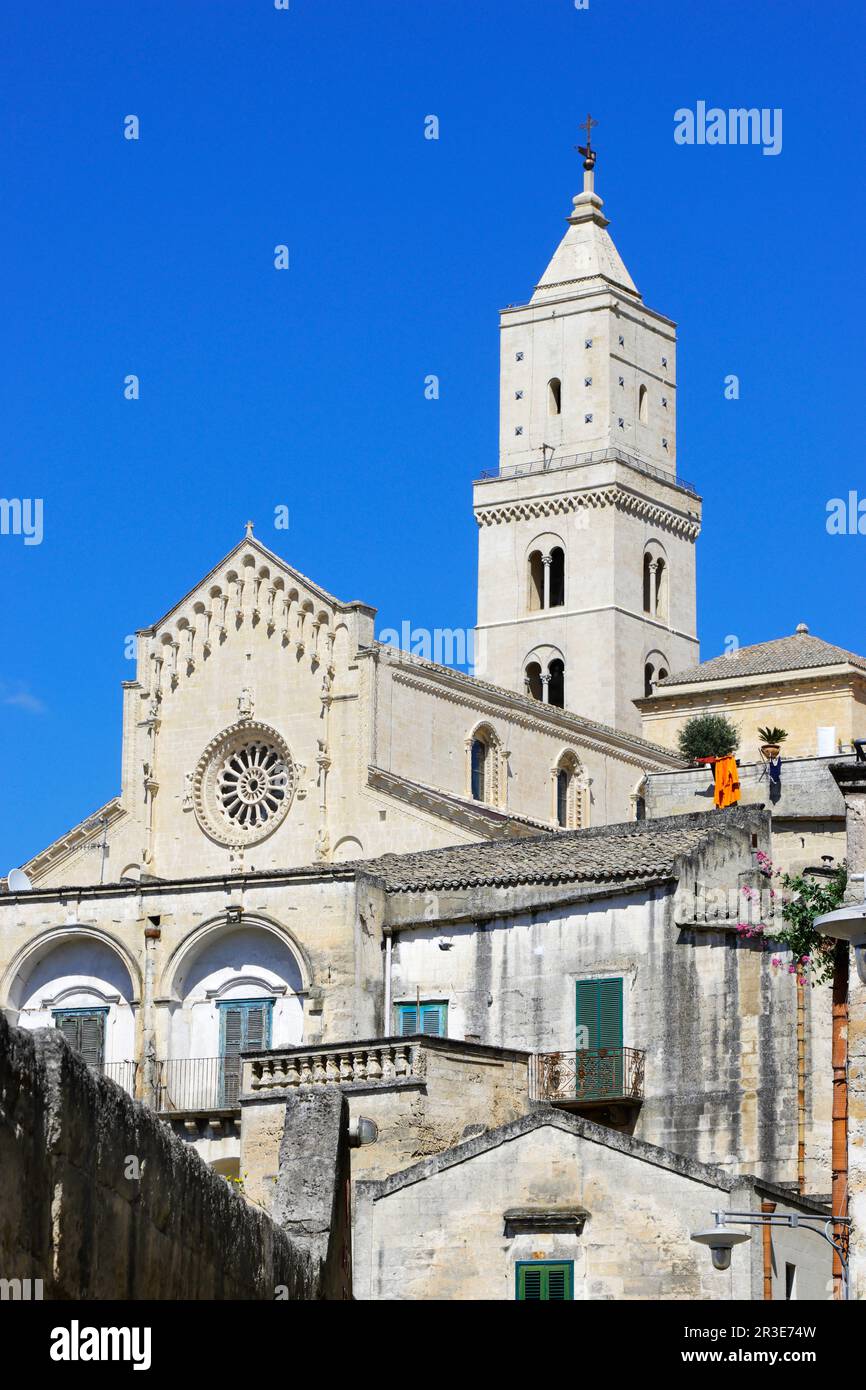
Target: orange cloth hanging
727,790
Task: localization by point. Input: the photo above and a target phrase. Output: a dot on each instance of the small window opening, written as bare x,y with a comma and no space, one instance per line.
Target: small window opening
479,766
557,577
556,684
533,681
536,581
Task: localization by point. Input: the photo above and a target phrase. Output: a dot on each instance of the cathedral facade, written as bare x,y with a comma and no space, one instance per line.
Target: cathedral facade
285,776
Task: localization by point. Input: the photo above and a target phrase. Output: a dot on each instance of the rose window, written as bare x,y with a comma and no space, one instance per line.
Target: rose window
252,785
243,785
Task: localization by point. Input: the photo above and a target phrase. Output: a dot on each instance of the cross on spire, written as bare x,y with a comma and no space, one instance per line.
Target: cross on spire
589,154
250,530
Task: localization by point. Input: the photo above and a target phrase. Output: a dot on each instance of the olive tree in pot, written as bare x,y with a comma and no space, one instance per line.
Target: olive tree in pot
707,736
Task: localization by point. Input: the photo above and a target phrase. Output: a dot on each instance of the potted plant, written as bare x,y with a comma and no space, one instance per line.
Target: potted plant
772,739
707,736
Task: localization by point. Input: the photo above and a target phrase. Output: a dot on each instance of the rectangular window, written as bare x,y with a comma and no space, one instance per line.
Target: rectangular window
84,1029
545,1281
598,1033
790,1281
433,1019
245,1026
598,1012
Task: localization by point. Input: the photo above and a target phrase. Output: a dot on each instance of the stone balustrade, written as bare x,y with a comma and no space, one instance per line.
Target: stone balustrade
345,1064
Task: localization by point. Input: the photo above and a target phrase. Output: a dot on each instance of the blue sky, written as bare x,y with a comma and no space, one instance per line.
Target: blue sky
305,388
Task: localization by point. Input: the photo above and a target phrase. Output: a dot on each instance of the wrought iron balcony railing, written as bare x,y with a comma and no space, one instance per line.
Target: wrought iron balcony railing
594,1076
123,1073
198,1083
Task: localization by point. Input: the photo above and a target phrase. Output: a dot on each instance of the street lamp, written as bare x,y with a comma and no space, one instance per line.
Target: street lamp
720,1239
848,924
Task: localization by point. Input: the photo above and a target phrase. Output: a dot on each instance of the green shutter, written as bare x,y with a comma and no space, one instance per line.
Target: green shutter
610,1013
598,1009
92,1038
407,1020
68,1026
545,1281
84,1029
556,1284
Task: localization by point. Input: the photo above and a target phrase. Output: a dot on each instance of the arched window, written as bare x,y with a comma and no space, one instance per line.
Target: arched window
568,793
643,406
648,673
484,759
557,577
563,778
479,769
554,396
647,583
661,589
536,581
662,675
556,683
533,681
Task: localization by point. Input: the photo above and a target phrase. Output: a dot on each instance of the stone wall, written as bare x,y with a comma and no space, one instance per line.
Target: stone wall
100,1200
717,1023
450,1089
808,817
799,703
553,1187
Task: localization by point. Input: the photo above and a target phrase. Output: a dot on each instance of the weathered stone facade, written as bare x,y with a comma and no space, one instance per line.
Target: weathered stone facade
808,813
423,1094
552,1187
101,1201
812,689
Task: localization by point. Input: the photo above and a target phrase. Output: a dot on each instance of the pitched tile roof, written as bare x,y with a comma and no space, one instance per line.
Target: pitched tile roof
798,652
636,852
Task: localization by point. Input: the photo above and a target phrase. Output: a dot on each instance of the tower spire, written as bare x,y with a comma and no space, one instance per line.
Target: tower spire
589,155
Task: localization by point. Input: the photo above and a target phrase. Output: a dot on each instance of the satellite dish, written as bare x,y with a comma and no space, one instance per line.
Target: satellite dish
18,881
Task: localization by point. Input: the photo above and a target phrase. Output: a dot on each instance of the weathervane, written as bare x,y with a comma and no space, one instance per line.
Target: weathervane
589,154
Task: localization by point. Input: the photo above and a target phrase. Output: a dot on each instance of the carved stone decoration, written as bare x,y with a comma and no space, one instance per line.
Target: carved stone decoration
243,784
187,792
246,703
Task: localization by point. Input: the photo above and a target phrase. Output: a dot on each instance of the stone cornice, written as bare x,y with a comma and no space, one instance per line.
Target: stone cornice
87,832
483,821
613,494
560,724
776,685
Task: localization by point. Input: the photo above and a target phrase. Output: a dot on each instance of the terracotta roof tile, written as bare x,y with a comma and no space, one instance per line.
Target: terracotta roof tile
802,651
634,852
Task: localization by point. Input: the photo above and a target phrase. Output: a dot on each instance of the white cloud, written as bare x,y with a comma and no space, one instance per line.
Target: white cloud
21,698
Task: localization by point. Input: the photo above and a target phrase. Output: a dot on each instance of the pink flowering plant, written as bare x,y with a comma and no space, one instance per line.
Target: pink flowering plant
806,898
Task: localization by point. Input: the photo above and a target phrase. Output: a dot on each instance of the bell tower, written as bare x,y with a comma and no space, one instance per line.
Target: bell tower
586,573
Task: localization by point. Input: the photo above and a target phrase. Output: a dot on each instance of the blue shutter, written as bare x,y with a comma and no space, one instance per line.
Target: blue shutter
245,1026
433,1018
